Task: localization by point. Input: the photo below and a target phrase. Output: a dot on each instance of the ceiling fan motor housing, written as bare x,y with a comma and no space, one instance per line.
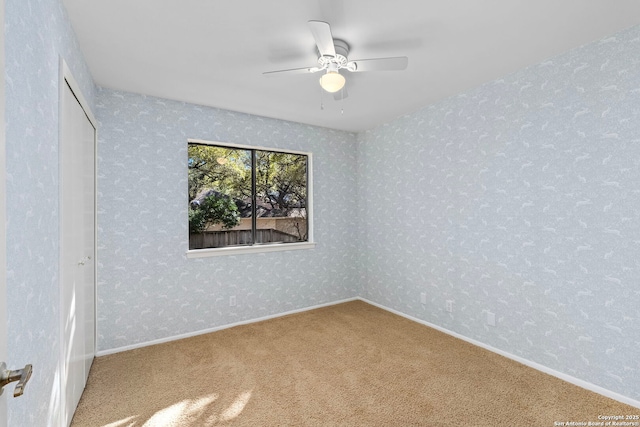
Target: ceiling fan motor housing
340,60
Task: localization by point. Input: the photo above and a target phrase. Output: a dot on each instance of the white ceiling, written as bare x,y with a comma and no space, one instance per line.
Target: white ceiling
213,53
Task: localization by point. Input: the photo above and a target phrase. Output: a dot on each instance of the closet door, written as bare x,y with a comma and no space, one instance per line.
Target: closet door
77,241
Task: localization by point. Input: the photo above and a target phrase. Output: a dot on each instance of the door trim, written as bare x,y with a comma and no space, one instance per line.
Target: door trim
3,222
66,76
67,79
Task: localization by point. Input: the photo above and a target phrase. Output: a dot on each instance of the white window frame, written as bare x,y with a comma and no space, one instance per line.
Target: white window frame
267,247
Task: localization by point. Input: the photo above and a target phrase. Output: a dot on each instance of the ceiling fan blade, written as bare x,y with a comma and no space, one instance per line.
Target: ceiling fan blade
293,71
324,40
378,64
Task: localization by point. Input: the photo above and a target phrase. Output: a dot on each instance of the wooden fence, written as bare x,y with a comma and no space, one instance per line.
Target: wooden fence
218,239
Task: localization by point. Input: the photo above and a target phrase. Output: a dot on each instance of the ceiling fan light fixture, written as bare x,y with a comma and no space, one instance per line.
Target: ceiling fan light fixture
332,81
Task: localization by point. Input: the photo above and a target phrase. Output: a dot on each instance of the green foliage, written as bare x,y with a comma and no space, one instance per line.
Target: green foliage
281,179
281,185
225,170
212,210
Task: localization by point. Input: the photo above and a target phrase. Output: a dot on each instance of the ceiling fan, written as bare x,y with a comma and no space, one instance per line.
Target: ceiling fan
333,57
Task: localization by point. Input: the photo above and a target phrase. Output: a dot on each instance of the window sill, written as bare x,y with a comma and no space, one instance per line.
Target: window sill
240,250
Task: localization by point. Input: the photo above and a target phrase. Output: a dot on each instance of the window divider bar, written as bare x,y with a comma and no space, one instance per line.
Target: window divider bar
254,198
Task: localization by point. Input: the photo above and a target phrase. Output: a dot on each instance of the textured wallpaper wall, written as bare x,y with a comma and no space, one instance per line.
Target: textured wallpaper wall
521,197
37,34
147,287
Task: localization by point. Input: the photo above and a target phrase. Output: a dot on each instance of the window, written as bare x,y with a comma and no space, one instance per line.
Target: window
247,197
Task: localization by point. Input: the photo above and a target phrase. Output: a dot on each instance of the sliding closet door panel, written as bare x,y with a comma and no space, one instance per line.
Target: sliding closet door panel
77,240
71,254
88,231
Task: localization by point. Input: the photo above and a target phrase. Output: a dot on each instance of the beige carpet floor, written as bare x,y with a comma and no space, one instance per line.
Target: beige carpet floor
351,364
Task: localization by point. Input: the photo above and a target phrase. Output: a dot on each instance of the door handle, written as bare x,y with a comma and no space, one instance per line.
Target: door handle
21,375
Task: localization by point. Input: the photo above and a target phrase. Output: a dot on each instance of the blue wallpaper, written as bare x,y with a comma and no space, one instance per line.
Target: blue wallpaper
147,287
521,198
37,33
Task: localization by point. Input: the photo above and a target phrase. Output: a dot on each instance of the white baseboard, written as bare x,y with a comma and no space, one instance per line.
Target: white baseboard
568,378
217,328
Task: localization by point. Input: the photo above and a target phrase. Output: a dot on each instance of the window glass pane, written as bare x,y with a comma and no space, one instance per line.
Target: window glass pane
246,196
281,197
219,196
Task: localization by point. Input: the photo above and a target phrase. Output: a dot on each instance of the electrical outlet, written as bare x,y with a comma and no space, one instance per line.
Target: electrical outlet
423,297
232,301
449,306
491,318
